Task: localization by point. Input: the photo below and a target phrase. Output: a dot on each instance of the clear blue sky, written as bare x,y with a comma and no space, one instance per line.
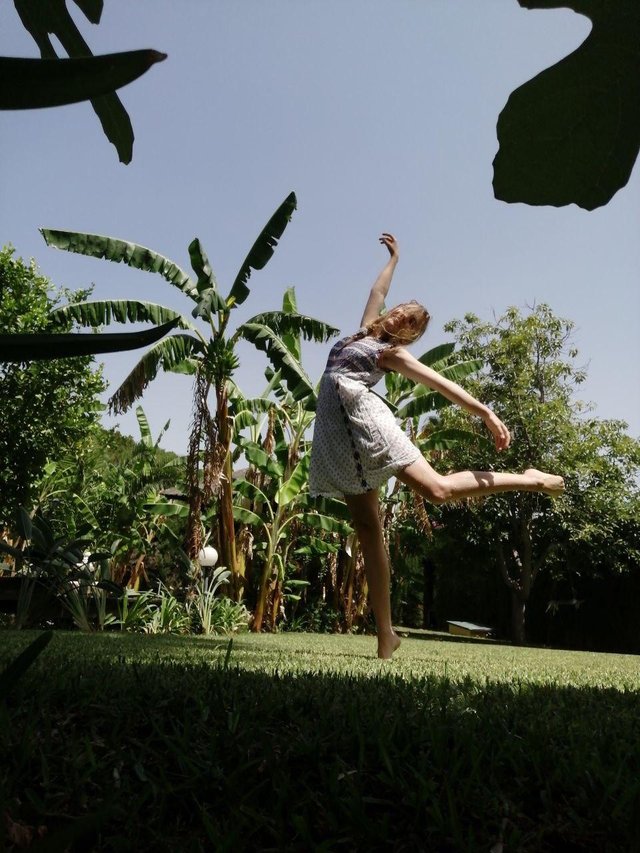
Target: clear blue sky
381,116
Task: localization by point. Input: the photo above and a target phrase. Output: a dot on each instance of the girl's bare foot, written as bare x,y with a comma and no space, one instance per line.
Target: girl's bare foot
387,644
548,483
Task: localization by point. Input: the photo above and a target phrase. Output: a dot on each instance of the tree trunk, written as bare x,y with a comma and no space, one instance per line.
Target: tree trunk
428,594
518,606
227,527
263,595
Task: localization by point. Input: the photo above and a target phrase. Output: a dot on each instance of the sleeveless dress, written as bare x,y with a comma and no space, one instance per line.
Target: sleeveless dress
357,443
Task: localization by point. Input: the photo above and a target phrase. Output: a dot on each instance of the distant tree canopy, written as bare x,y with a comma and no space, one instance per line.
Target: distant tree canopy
47,407
530,380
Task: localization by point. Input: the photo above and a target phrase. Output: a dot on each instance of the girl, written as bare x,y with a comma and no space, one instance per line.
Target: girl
358,446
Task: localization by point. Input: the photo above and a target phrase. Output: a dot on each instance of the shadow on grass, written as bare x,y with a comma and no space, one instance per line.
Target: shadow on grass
101,752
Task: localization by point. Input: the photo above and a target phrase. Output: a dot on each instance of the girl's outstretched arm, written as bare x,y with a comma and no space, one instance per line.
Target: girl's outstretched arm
382,283
400,360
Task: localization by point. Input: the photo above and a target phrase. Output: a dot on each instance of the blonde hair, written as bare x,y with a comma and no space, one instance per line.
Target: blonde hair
414,320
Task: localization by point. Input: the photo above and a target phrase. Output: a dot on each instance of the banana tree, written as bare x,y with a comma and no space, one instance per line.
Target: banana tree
279,502
210,356
282,509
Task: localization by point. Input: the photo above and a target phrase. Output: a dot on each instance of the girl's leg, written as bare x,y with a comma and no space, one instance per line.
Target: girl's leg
438,488
366,520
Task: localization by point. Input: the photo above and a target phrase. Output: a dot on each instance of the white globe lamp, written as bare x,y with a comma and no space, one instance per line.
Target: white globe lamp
207,556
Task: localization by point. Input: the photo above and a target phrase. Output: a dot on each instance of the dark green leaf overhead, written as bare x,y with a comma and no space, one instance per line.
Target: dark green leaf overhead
43,20
92,9
121,251
27,84
262,249
571,134
165,355
38,347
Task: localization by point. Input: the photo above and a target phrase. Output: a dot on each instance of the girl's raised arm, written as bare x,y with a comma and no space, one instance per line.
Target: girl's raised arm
403,362
382,283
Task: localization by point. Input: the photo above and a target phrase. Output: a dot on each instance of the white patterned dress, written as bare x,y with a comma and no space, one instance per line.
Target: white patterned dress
357,443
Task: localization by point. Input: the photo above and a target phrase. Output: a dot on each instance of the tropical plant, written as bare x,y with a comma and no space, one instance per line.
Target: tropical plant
280,510
210,357
48,408
166,614
62,567
85,595
215,614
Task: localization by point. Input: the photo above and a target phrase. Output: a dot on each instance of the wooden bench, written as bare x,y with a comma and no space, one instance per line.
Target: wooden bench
468,629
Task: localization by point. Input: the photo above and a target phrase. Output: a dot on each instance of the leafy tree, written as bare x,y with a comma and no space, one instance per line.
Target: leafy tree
48,407
530,380
572,133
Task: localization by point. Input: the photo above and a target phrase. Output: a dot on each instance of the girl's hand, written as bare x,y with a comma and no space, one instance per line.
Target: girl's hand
501,434
390,242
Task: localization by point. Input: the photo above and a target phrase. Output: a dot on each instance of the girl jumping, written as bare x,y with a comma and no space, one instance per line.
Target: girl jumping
358,445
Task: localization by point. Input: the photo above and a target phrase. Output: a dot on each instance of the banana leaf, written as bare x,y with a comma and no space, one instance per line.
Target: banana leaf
429,401
166,508
296,482
325,506
571,134
262,249
209,300
250,491
436,354
283,323
322,522
290,306
167,355
247,517
43,347
121,251
442,439
27,84
45,19
265,339
258,457
102,312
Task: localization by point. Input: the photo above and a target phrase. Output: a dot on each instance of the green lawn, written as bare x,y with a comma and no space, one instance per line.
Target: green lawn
308,742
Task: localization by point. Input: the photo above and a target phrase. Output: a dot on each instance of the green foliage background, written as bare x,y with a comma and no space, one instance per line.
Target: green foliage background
46,407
